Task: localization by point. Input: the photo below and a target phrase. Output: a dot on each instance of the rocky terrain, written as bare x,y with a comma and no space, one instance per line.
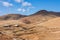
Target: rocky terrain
43,25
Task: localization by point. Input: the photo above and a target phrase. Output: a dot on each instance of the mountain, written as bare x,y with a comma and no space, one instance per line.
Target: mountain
41,16
45,12
11,17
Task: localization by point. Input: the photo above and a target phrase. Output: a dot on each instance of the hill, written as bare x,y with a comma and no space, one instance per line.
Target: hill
41,16
11,17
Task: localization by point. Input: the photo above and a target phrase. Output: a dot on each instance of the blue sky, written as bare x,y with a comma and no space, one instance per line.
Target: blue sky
27,7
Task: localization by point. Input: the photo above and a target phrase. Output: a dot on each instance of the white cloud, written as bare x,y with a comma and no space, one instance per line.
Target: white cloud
26,4
7,4
19,1
21,10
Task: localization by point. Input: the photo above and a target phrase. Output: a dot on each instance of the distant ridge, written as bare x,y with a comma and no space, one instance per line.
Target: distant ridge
41,13
11,17
45,12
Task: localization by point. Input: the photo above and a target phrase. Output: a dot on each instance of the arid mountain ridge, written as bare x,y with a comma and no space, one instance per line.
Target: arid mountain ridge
19,16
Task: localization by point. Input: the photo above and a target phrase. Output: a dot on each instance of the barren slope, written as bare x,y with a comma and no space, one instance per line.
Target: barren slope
52,23
53,29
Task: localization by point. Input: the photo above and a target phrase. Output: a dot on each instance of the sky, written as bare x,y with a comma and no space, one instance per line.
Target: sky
27,7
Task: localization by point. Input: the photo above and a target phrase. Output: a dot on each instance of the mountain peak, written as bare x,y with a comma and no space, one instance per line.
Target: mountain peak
43,11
